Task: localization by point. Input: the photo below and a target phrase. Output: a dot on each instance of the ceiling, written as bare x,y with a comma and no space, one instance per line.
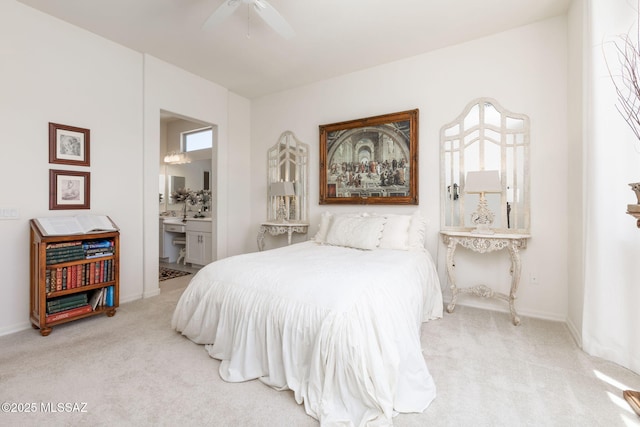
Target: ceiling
333,37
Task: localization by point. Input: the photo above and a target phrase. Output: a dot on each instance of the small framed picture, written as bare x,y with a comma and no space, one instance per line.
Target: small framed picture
68,145
69,189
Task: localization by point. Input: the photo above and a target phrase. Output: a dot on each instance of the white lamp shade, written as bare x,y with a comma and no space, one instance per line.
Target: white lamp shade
483,182
283,188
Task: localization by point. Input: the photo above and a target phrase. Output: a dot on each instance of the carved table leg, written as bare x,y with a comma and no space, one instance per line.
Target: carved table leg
260,238
451,249
515,281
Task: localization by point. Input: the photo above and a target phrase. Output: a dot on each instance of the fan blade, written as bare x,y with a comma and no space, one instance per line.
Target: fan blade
271,16
221,13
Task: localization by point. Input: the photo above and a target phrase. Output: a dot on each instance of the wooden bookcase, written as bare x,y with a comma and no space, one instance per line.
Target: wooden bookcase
42,291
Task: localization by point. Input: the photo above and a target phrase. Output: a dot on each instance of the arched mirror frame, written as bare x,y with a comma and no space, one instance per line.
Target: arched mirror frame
288,160
486,137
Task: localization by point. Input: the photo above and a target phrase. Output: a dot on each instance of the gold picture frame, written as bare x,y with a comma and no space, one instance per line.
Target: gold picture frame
370,161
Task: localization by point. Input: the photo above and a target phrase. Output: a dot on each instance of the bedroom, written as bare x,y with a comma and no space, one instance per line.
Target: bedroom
126,90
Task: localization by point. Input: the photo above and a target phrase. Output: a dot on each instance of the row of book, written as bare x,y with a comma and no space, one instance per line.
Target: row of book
72,251
55,305
76,276
74,305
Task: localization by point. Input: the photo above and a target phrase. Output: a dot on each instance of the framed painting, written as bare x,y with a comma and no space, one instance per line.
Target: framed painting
69,189
370,161
68,145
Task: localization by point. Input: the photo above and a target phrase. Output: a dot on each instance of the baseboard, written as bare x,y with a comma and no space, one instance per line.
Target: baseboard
503,307
128,298
149,294
554,317
15,328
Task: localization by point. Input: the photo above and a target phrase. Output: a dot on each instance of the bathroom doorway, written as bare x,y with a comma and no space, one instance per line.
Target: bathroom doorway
186,170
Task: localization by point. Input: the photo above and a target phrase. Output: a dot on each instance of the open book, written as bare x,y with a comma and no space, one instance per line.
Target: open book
78,224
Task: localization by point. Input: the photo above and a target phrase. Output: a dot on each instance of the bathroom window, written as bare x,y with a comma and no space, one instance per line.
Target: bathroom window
198,139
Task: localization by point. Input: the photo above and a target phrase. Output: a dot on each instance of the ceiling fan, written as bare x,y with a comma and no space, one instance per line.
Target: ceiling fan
262,7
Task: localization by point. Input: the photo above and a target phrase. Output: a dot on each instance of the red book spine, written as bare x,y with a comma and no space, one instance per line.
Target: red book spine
72,277
69,313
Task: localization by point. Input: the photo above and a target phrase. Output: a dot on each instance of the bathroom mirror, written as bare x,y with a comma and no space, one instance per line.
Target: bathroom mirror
485,137
197,173
288,162
174,184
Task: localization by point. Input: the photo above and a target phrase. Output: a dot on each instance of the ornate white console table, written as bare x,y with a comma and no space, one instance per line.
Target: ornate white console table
484,243
276,228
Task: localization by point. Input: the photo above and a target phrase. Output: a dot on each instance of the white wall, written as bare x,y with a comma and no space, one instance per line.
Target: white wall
53,72
524,69
169,88
240,222
575,167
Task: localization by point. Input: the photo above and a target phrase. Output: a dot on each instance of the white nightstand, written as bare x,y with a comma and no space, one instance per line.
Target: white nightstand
484,243
276,228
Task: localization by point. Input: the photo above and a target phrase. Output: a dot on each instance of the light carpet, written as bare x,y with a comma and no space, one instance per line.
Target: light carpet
133,370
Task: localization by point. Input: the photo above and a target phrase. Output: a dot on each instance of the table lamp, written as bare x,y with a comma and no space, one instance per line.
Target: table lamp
281,190
482,182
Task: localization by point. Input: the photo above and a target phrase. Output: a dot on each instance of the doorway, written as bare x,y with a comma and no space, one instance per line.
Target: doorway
184,171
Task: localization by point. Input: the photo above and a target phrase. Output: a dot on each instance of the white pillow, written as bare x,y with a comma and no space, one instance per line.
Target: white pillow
356,232
325,221
417,231
396,232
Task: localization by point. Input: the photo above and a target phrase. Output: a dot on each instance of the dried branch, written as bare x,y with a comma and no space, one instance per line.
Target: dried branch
627,86
626,83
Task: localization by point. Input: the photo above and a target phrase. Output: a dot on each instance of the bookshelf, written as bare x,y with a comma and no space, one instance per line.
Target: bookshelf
73,276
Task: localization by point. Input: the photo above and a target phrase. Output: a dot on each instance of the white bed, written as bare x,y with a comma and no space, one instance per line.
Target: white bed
338,326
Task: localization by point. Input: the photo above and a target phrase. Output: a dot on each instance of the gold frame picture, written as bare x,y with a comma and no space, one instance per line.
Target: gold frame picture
370,161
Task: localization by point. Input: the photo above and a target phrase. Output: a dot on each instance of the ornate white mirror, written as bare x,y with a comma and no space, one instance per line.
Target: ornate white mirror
485,137
287,181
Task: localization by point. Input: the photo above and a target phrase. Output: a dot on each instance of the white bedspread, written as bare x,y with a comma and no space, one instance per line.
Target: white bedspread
338,326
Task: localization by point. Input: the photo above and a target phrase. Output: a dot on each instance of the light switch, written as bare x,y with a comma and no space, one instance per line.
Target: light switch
9,213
